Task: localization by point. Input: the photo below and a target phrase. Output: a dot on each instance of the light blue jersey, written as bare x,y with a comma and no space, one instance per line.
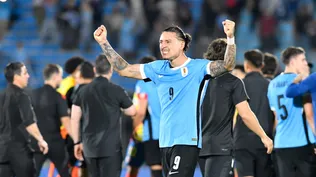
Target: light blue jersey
148,90
290,128
179,92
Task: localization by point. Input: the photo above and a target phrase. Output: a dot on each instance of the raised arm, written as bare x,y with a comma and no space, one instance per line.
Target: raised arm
118,63
220,66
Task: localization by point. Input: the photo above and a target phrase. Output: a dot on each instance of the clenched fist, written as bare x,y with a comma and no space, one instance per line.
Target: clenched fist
100,34
229,28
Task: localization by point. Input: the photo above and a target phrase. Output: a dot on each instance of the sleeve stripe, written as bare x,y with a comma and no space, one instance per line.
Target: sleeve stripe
142,72
208,66
273,109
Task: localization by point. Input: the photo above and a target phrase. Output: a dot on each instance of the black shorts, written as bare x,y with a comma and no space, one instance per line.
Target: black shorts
135,154
292,162
140,152
253,162
217,166
179,160
105,166
152,152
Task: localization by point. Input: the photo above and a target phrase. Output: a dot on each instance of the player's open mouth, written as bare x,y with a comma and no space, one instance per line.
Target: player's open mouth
165,51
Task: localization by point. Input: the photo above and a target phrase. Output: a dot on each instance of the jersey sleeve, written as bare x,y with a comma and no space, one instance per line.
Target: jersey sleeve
299,89
124,99
239,93
77,98
150,70
206,65
26,110
62,108
270,98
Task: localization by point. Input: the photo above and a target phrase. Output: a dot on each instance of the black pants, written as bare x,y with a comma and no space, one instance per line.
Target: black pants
216,166
57,154
253,162
179,160
105,166
296,162
19,162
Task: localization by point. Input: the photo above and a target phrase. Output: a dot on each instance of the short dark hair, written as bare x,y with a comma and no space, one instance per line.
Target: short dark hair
14,68
86,70
255,57
180,35
102,65
270,64
72,64
290,52
216,49
51,69
240,67
147,59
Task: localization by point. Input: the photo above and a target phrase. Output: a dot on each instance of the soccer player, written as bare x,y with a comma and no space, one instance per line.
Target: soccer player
251,158
178,79
99,105
270,66
84,76
303,84
146,99
223,94
51,110
67,84
294,156
17,121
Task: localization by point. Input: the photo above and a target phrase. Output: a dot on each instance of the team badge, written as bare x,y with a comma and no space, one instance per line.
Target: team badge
184,71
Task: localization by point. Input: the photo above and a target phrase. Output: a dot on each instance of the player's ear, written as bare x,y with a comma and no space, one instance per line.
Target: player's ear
182,45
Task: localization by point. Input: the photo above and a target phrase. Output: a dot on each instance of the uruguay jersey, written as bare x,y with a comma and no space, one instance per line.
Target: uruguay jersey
290,128
148,90
179,92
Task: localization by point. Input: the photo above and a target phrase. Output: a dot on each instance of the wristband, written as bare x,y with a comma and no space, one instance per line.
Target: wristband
79,142
230,41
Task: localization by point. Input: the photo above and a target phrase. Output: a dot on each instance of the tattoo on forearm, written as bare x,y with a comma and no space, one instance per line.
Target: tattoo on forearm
230,57
115,59
219,67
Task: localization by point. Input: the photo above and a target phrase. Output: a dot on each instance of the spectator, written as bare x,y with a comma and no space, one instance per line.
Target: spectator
49,31
69,23
39,12
5,11
86,25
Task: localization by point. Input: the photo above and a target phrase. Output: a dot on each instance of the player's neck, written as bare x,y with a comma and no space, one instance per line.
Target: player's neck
86,81
250,70
108,76
17,84
178,61
268,76
289,69
51,83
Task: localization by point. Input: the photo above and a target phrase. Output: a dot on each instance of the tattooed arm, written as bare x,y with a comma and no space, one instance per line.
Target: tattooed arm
228,64
119,64
219,67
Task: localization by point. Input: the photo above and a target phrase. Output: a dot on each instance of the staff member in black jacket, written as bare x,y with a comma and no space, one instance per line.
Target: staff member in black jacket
17,119
251,158
99,104
51,111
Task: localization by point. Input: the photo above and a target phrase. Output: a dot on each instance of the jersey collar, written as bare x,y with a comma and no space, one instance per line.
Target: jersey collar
185,63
